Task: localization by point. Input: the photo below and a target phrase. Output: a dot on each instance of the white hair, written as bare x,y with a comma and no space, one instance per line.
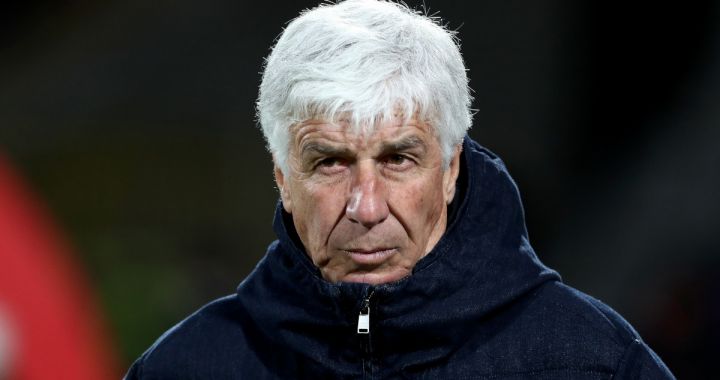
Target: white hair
364,61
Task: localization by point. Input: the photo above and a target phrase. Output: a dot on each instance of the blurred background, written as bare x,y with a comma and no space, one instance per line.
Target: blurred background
127,133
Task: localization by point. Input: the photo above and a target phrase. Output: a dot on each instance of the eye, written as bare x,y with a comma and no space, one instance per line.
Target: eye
398,161
330,161
330,165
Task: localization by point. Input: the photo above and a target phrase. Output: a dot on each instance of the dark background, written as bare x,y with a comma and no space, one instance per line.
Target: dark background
134,122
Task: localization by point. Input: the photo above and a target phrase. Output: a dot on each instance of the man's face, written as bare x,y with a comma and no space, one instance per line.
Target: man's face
367,207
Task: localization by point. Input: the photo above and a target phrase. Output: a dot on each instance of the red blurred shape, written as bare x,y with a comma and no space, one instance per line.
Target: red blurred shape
57,331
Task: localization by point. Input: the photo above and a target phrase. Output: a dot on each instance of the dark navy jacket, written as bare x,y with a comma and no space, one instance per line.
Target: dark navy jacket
480,305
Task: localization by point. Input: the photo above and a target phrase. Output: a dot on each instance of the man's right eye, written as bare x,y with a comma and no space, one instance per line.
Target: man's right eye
330,165
330,161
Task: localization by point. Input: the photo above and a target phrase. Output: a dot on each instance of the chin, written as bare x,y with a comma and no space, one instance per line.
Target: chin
374,278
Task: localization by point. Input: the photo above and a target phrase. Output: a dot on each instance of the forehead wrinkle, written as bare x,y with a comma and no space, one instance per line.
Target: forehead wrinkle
318,136
312,130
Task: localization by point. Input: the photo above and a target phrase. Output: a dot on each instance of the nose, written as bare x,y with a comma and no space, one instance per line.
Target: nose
367,203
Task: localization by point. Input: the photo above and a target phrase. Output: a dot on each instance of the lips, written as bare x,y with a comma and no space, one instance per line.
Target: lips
373,256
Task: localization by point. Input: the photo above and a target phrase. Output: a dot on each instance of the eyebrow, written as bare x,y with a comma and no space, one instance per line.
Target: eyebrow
403,144
323,149
407,143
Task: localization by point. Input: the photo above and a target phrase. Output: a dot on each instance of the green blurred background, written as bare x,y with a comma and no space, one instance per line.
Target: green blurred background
134,122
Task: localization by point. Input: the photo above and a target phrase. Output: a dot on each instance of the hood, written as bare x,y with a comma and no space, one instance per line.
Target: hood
482,263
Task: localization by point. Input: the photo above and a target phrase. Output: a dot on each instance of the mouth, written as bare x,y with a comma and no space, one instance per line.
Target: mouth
373,256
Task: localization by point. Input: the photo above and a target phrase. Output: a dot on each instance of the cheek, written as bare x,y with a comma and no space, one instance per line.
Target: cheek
435,201
432,205
317,211
423,202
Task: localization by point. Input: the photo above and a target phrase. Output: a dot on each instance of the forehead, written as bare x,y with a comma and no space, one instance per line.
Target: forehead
359,136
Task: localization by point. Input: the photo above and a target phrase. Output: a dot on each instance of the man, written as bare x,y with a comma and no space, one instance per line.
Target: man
402,250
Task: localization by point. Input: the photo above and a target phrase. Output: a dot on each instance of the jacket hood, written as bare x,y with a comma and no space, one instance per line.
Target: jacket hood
482,263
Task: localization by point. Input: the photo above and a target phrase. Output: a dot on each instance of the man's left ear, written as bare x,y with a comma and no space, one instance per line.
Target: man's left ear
451,175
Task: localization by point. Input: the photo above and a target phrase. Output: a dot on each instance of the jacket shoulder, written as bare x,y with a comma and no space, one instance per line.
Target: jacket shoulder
592,335
212,338
566,305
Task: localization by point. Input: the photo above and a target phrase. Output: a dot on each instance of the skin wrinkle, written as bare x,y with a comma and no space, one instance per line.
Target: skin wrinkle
352,193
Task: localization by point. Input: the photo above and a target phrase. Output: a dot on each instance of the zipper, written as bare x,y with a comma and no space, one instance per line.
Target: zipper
363,330
363,326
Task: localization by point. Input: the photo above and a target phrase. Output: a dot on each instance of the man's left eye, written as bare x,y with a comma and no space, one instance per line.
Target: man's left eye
396,159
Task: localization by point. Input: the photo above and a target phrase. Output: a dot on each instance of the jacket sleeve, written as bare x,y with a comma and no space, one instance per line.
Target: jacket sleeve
640,362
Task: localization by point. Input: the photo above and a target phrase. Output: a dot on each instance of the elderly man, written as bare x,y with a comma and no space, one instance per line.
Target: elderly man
402,250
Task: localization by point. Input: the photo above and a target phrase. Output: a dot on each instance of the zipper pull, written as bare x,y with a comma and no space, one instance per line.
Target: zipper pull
363,326
364,321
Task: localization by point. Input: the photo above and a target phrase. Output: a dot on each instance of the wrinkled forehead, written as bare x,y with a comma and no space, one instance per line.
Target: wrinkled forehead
361,133
349,122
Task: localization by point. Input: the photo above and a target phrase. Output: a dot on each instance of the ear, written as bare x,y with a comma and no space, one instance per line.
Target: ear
451,174
282,187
